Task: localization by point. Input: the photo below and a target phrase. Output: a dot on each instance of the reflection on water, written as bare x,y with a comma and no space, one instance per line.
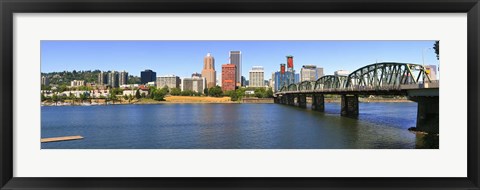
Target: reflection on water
230,126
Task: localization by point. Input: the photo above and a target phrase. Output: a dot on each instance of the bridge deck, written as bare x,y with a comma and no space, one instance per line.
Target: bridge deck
386,90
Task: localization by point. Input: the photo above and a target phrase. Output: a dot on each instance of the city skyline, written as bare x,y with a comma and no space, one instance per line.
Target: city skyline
182,58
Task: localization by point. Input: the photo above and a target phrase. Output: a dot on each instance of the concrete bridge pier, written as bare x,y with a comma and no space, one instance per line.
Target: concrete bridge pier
427,114
294,99
318,102
349,105
291,99
302,100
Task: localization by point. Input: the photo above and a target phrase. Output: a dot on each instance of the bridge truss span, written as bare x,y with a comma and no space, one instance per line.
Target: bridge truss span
387,75
377,78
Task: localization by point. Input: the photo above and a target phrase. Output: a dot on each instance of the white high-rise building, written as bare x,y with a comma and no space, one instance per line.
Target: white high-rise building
171,81
123,78
196,84
310,73
257,77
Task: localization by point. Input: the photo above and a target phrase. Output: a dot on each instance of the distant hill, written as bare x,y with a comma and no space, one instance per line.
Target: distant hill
65,77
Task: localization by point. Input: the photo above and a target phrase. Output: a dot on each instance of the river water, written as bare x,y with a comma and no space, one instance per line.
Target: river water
230,126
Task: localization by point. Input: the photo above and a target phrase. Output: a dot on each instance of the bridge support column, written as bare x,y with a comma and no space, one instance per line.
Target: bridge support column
427,114
302,100
349,105
290,99
318,102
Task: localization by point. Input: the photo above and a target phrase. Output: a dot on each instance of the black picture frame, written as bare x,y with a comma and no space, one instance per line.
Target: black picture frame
9,7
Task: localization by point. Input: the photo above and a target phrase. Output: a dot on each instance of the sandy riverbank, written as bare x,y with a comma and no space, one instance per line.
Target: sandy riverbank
168,100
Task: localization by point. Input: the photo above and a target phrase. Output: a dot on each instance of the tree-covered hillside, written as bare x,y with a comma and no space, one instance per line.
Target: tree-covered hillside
65,77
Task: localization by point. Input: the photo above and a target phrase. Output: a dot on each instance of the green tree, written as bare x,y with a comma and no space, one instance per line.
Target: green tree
55,98
165,89
215,91
233,95
72,97
83,96
43,87
187,93
269,93
175,92
260,93
436,47
137,94
133,79
151,92
113,97
62,88
125,97
130,98
159,94
42,97
240,93
205,91
116,91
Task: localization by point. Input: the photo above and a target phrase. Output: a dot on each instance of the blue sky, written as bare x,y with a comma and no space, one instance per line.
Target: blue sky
183,58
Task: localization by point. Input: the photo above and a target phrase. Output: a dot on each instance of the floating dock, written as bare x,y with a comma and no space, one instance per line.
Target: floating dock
57,139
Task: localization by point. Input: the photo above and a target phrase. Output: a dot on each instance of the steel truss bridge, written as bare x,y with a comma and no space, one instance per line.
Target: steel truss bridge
375,79
386,78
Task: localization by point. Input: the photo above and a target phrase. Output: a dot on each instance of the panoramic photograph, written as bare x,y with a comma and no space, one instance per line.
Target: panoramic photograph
240,94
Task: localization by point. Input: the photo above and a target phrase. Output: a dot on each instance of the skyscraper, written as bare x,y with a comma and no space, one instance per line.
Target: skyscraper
209,70
195,74
113,79
102,78
236,59
148,76
229,80
123,78
319,72
45,81
308,73
256,77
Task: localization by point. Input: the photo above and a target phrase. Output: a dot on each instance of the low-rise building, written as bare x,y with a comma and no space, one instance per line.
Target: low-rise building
130,86
99,93
75,83
153,83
